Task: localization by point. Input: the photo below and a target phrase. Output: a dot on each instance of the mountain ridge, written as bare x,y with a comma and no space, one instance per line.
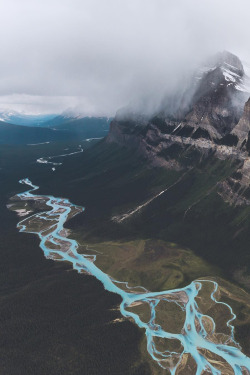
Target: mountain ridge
214,120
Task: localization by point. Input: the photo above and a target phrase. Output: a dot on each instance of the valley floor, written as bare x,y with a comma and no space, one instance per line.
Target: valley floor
175,240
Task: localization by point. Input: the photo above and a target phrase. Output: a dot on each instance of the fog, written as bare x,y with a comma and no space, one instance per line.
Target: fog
97,56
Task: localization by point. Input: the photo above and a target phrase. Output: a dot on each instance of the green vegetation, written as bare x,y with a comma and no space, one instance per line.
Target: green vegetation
53,320
153,264
186,233
109,180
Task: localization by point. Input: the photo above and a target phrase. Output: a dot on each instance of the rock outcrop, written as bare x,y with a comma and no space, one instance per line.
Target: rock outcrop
242,129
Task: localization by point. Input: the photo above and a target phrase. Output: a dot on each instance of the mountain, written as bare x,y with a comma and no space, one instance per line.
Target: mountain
211,116
18,134
70,121
179,179
18,118
83,126
57,129
212,103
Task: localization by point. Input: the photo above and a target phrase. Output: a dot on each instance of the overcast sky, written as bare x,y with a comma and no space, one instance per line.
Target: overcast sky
99,55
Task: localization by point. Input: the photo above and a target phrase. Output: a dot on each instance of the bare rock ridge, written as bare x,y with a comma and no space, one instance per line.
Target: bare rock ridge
216,99
210,107
241,130
211,116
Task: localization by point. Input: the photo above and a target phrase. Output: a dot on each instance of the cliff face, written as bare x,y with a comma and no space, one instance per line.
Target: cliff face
212,116
242,129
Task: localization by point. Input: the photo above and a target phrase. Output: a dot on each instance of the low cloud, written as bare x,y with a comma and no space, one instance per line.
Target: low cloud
99,55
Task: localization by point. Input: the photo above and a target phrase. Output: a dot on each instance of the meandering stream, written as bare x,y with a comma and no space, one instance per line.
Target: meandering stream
193,337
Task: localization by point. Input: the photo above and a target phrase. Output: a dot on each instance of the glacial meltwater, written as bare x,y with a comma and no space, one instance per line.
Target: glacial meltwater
193,337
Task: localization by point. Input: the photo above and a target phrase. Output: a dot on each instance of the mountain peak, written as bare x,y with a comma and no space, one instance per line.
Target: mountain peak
226,59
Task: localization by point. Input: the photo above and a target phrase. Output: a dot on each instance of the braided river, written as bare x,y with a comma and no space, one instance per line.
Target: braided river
194,339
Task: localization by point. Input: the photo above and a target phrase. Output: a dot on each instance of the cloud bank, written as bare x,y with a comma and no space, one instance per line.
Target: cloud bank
100,55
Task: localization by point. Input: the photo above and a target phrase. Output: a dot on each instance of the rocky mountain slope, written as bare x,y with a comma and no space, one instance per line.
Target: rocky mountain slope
210,117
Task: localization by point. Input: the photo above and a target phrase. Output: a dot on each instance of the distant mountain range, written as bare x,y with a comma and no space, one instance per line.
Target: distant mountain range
22,128
78,123
18,134
17,118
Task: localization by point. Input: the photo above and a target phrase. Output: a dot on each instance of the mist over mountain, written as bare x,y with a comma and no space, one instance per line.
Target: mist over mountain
100,57
125,158
222,69
208,118
20,118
